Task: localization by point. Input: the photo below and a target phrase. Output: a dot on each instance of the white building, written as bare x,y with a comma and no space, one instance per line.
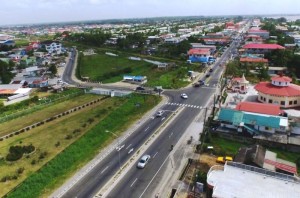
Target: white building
243,181
53,47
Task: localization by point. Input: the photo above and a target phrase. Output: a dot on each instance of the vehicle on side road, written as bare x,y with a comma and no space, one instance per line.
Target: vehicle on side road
224,159
143,161
184,96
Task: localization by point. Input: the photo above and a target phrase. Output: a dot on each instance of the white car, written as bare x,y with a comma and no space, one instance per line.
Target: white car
159,113
184,96
143,161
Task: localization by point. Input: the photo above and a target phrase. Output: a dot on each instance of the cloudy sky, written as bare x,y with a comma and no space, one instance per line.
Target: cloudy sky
40,11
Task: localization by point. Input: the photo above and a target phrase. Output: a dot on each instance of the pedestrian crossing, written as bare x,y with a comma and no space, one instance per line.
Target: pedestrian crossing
184,105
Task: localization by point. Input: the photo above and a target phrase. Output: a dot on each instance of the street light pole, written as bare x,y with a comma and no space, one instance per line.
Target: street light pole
118,146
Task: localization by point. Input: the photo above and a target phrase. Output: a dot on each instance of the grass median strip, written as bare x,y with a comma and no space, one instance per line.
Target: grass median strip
44,113
53,173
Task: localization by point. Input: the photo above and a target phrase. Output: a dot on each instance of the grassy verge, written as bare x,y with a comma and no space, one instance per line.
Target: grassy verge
48,111
229,147
51,138
109,69
84,149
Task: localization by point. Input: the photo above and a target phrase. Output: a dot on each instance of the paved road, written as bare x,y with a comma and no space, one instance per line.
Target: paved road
142,182
101,173
67,77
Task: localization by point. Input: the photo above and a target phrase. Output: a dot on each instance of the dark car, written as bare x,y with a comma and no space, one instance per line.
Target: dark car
211,70
140,89
201,82
207,75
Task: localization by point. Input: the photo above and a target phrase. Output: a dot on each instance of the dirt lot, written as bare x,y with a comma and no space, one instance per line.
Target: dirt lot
205,161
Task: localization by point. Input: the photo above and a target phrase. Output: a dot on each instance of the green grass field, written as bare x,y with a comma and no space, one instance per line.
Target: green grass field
46,136
98,68
119,115
48,111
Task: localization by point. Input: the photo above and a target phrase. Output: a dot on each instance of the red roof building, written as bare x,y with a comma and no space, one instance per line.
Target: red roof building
259,48
279,91
254,107
253,60
199,51
263,46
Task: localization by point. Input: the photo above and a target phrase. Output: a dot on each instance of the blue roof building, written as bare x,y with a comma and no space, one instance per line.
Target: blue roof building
252,122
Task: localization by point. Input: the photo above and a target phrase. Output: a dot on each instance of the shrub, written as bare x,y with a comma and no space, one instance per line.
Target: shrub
68,137
84,125
16,152
1,139
17,133
90,120
76,131
57,144
20,170
43,155
33,162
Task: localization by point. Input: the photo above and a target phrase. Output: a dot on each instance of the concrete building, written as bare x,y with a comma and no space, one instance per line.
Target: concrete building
262,33
244,181
256,48
253,123
279,91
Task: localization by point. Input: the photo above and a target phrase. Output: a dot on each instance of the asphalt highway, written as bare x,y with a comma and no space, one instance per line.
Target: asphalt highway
139,183
135,181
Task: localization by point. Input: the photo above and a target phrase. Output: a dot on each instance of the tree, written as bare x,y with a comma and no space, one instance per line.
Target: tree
262,71
53,69
5,72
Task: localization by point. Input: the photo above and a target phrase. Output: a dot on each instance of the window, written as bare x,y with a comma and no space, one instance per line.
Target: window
270,101
290,102
261,97
279,83
295,101
264,99
282,103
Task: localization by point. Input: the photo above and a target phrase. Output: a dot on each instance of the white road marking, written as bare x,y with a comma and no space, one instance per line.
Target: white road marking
128,146
147,128
130,150
133,182
155,155
119,148
104,169
154,177
163,118
170,135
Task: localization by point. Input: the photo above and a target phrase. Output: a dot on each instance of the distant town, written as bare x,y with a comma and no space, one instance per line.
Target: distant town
155,107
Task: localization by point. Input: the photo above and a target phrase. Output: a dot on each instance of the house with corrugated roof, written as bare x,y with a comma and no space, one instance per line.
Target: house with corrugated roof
253,123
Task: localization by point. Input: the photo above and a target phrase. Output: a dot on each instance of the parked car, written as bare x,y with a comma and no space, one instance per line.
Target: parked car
140,89
159,113
197,84
143,161
224,159
207,75
211,70
184,96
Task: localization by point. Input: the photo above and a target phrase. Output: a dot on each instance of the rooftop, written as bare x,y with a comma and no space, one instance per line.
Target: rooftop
269,109
281,79
254,60
199,51
268,88
242,181
262,46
